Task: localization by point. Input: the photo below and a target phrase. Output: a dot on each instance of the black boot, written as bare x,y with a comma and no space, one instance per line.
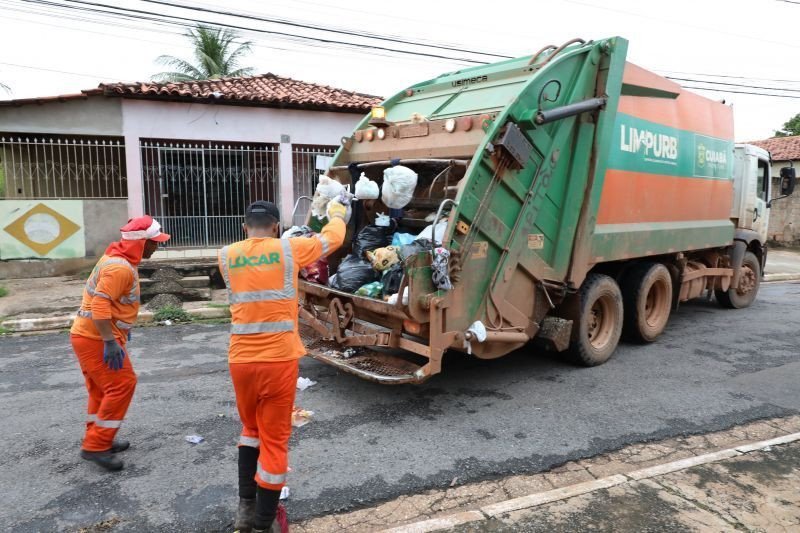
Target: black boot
119,446
245,516
246,513
266,510
105,459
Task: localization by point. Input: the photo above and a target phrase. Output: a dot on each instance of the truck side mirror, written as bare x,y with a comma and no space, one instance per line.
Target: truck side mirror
788,180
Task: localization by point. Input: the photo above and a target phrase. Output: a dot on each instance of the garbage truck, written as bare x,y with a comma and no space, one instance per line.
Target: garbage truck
583,199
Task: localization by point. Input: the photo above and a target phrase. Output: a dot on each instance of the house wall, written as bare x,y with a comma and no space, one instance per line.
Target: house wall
96,115
176,120
784,216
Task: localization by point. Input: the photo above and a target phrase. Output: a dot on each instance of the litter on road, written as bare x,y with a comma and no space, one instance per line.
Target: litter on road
285,493
304,383
194,439
301,417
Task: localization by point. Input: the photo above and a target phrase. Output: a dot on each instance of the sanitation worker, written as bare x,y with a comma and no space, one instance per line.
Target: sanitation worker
99,335
265,347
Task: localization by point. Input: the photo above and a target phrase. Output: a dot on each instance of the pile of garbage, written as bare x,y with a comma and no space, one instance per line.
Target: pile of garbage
375,266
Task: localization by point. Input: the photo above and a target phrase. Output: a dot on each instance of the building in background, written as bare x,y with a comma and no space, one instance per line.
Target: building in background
73,168
784,218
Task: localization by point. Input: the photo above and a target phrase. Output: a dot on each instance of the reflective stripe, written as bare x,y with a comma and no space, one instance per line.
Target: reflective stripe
272,479
123,325
91,283
119,323
91,418
252,442
325,245
84,314
101,295
288,267
262,296
108,423
129,300
250,328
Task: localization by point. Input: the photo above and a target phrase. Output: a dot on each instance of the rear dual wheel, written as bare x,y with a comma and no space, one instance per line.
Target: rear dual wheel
597,320
647,297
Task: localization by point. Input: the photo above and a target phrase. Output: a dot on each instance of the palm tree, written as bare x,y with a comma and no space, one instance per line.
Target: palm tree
214,54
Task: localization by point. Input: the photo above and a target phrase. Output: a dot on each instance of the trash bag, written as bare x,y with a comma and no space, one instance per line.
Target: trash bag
383,258
440,269
391,279
316,272
436,234
353,273
370,290
371,238
419,245
366,189
398,186
402,239
327,189
297,231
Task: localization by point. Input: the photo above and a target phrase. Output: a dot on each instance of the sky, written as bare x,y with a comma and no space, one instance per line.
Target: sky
48,50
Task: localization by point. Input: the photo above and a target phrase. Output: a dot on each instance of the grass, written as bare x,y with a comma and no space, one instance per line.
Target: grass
173,313
5,331
3,291
218,305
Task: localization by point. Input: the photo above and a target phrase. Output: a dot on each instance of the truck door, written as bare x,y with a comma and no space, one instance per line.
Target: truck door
763,180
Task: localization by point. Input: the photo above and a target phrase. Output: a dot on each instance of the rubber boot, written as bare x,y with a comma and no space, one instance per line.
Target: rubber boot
267,511
245,515
246,512
119,446
105,459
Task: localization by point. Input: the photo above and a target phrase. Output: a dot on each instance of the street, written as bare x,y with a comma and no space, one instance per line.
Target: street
366,443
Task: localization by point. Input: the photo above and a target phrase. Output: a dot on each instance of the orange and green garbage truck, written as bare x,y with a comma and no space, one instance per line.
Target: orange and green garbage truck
583,199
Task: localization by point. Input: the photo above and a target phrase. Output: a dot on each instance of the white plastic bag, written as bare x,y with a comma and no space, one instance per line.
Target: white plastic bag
398,186
429,232
383,220
366,189
327,189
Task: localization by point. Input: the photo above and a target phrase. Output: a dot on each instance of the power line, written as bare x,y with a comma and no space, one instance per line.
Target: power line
138,13
309,26
60,71
739,92
734,84
725,76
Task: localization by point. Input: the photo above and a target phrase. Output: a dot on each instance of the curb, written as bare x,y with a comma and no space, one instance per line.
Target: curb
541,498
37,325
781,277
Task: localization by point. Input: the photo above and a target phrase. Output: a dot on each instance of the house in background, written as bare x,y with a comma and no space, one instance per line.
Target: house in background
191,154
784,218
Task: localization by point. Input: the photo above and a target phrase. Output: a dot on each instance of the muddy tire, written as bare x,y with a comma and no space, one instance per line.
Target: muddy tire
647,300
597,321
749,282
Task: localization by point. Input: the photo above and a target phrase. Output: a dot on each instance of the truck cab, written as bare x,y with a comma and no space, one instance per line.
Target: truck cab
751,189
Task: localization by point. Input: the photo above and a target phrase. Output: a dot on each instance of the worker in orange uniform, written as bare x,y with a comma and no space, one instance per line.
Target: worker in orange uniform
99,335
265,347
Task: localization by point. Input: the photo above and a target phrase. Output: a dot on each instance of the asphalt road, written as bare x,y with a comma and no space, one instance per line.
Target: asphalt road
480,419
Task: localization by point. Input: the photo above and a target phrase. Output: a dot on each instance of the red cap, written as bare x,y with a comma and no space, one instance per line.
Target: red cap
144,227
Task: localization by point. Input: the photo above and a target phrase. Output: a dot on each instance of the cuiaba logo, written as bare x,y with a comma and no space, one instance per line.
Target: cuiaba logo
701,155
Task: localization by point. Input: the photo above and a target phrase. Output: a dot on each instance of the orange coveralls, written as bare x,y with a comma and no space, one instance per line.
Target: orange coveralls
111,292
265,346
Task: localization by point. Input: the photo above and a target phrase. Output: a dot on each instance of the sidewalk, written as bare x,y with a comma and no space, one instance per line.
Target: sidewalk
739,478
756,491
783,264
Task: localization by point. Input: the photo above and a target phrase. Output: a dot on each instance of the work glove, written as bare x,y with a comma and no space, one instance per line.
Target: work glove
113,354
337,209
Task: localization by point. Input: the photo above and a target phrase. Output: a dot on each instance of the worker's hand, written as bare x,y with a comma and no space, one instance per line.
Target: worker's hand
129,335
113,354
338,210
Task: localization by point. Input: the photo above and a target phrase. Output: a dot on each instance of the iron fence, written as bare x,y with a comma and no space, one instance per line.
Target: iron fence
62,166
308,163
199,190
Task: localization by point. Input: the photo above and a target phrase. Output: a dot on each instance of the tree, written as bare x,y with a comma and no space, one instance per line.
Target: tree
216,54
790,127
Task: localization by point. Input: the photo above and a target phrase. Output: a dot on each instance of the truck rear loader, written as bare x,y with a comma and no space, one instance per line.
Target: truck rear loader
585,198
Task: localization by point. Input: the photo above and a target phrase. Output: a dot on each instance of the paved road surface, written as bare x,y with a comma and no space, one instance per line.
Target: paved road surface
367,443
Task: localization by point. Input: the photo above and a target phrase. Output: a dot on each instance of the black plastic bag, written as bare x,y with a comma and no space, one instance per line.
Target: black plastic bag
391,279
371,238
353,273
420,245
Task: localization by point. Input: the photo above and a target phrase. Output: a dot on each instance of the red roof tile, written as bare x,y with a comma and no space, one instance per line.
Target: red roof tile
265,89
781,148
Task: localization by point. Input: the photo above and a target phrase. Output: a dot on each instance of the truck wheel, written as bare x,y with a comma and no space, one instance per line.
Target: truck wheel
597,324
749,281
647,299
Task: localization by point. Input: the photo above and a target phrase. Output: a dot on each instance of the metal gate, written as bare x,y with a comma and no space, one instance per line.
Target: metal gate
308,162
199,190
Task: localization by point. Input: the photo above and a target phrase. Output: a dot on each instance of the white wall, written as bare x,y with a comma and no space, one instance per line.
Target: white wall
177,120
97,115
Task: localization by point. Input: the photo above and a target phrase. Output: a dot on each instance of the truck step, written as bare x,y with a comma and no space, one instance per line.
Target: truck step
365,363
